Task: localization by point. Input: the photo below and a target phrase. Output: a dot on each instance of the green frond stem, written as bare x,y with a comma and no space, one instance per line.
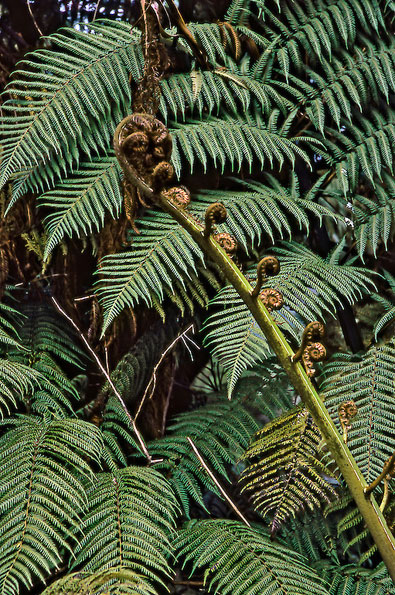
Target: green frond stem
368,506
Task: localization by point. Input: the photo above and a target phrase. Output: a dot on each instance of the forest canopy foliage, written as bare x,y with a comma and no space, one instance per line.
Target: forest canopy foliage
149,438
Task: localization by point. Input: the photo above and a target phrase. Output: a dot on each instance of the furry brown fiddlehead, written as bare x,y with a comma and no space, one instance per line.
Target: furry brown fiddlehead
272,299
347,411
311,349
215,213
269,265
227,242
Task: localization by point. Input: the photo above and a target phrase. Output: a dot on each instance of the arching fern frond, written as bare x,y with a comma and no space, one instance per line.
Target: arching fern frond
237,559
363,146
345,81
257,209
312,288
43,464
369,379
317,28
79,204
372,216
115,582
48,341
64,100
389,306
284,471
232,141
161,254
353,579
220,430
129,524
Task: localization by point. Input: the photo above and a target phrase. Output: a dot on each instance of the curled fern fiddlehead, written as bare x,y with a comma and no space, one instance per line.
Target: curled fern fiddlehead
272,299
178,195
311,349
269,265
227,242
215,213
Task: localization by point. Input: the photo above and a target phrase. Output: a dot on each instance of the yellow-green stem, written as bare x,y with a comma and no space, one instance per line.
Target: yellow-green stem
352,475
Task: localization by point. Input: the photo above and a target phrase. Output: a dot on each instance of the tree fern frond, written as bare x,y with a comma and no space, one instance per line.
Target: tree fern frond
353,579
230,88
115,582
363,146
161,254
369,379
64,100
129,523
78,205
237,560
314,536
284,472
233,141
43,465
17,381
258,209
311,287
345,81
372,217
389,306
221,432
317,28
47,339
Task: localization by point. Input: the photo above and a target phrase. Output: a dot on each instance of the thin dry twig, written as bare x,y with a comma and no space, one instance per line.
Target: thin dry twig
110,382
33,18
215,480
153,380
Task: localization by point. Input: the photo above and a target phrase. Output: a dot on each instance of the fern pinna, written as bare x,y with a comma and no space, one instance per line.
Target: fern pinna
125,338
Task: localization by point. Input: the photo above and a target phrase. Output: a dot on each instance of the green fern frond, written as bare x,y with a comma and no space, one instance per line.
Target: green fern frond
233,141
79,204
220,430
161,254
369,379
238,560
115,582
345,81
65,100
317,28
257,209
231,88
372,217
351,579
311,287
43,464
47,340
314,537
284,472
129,524
364,146
17,381
389,306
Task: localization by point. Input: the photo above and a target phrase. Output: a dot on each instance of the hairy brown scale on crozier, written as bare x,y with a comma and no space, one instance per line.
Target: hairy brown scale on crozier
178,195
346,411
272,299
311,349
162,174
227,242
